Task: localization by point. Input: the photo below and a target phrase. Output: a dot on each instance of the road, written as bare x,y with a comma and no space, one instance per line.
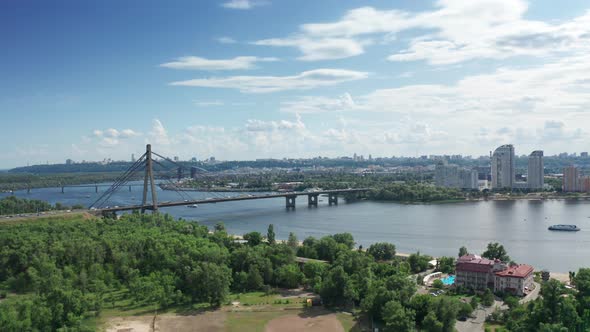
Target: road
476,324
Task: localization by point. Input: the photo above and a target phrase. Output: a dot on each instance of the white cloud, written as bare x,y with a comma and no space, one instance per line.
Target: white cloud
198,63
112,137
318,104
453,32
319,49
226,40
242,4
260,84
158,135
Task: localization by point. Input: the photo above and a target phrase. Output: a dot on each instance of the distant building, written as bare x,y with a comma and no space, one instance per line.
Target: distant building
584,154
584,184
452,176
571,176
515,279
132,157
503,165
175,158
69,161
535,175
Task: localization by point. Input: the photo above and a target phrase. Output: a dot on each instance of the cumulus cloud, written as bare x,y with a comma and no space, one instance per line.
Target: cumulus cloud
261,84
111,137
496,30
198,63
318,104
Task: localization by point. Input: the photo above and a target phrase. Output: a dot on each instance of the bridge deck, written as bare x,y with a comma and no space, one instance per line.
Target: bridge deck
231,199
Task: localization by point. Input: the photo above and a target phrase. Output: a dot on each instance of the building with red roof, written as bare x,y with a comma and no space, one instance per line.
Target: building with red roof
515,279
479,273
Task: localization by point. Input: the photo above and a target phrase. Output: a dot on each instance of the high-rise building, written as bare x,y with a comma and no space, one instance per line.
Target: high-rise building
452,176
584,154
535,175
570,179
584,184
503,165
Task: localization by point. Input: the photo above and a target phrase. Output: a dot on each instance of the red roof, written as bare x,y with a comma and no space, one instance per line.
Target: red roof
474,263
516,271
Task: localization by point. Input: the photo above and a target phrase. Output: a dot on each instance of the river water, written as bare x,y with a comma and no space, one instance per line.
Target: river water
434,229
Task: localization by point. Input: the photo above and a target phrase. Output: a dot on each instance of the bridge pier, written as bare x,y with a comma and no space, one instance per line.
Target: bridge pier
332,199
28,190
129,188
96,189
290,201
312,200
62,189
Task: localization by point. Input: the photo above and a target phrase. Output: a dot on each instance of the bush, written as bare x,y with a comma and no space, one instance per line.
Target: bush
438,284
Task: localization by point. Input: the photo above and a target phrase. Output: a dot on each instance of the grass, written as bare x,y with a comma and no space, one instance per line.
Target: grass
493,327
349,322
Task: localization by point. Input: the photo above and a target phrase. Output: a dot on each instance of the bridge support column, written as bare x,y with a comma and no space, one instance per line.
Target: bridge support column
96,189
332,199
62,189
290,202
129,188
28,190
312,200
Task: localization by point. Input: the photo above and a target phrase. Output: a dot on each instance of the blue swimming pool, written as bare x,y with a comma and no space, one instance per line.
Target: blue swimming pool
449,280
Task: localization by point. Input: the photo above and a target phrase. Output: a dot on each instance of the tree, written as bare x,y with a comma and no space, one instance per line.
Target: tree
292,241
418,263
438,284
289,276
487,298
209,282
332,290
431,323
582,282
344,238
397,318
219,227
463,251
421,304
446,264
270,234
253,238
382,251
254,280
496,251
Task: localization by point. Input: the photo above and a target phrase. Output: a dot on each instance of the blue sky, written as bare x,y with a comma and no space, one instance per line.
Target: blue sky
256,79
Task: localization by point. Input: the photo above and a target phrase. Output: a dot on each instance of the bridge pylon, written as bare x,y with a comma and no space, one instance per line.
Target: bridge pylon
149,178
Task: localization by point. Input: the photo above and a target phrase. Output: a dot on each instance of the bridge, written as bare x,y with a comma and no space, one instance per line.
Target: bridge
312,199
145,164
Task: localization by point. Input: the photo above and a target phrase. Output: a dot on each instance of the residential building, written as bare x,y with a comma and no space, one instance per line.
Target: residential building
503,166
475,272
479,273
453,176
584,184
571,175
584,154
515,279
535,175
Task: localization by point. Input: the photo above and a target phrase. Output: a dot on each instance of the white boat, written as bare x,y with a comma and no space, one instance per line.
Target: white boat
193,206
565,228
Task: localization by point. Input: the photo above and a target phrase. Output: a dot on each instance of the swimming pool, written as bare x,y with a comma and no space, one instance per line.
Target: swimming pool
449,280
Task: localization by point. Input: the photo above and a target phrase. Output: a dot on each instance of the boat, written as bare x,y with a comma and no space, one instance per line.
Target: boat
194,206
566,228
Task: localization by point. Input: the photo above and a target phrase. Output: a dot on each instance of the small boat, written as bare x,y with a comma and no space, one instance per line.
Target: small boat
565,228
193,206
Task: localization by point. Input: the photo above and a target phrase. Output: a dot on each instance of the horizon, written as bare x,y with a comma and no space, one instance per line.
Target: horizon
328,78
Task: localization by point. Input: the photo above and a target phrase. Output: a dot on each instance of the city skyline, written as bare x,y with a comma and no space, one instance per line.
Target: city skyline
327,78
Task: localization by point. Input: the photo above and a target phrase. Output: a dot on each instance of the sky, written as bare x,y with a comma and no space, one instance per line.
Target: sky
247,79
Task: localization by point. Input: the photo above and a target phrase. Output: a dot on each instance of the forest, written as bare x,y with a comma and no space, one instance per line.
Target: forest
12,205
58,274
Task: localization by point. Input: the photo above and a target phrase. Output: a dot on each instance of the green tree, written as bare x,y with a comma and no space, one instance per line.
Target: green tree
220,227
209,282
253,238
463,251
397,318
270,234
487,299
344,238
446,264
254,280
382,251
292,241
289,276
438,284
431,323
496,251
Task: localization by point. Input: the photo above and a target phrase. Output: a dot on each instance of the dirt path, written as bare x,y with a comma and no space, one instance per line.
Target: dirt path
295,323
203,322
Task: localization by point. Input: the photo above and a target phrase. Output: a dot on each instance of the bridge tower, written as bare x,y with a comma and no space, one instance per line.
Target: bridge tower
149,177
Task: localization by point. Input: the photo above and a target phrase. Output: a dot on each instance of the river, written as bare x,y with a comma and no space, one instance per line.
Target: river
434,229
